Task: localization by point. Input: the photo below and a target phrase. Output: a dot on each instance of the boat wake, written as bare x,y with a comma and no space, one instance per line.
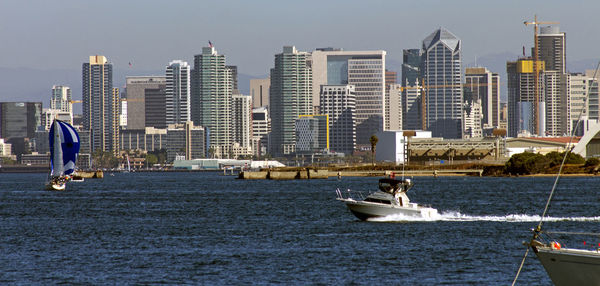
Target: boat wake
457,216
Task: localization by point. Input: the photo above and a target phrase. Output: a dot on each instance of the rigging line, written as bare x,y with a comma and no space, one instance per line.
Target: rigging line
570,147
573,232
520,267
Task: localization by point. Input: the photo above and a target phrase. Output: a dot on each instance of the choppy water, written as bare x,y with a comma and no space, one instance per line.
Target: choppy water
205,228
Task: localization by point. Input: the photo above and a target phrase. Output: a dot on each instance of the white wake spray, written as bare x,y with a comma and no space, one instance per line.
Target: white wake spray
457,216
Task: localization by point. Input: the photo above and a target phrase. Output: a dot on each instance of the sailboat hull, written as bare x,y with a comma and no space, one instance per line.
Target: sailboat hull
55,187
570,266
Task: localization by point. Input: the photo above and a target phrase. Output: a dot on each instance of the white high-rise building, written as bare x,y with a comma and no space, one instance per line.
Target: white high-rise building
241,117
61,98
339,103
261,127
178,92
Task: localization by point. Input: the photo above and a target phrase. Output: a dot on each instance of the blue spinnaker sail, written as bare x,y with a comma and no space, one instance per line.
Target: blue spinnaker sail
62,160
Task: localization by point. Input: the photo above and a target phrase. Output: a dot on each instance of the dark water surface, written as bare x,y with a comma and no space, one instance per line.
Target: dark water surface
205,228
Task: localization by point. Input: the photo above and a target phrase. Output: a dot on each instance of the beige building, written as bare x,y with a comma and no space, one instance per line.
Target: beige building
259,91
138,88
393,108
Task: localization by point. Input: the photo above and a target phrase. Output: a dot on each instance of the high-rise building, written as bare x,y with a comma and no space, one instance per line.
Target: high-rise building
521,98
290,96
552,48
233,70
18,124
186,140
442,75
580,104
241,120
261,129
412,108
145,102
100,104
485,86
178,92
363,69
211,99
61,99
312,133
411,67
259,90
338,102
472,116
393,110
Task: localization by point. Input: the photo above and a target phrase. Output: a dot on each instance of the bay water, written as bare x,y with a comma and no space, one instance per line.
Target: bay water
206,228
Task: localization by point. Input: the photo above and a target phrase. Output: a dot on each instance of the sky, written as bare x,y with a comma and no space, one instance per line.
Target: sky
62,34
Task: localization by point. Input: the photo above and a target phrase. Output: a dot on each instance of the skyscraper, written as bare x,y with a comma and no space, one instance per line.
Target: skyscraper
442,74
211,99
145,102
241,120
363,69
521,97
178,92
100,104
552,48
412,109
485,86
339,103
411,67
290,96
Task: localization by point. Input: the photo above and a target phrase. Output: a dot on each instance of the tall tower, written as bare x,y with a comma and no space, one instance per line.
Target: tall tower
552,48
211,99
178,92
442,74
339,103
411,67
485,86
145,102
521,97
290,96
99,103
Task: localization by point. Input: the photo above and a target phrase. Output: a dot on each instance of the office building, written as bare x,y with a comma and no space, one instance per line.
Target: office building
290,96
338,102
485,86
312,133
259,90
365,70
211,99
241,121
393,110
522,100
61,99
233,71
186,140
552,49
100,104
411,67
261,129
178,92
145,102
442,75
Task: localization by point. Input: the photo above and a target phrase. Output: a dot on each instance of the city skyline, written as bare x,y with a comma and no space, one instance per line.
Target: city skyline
56,36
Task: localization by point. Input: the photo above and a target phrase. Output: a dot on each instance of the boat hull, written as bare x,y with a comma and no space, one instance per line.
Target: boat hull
55,187
570,266
366,210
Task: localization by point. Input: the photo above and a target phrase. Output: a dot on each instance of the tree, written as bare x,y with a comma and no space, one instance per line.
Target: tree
151,159
373,141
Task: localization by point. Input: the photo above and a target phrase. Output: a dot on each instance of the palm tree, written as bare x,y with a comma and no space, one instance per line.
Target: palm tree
373,141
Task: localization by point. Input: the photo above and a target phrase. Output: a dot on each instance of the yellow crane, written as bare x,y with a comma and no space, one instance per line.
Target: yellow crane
536,71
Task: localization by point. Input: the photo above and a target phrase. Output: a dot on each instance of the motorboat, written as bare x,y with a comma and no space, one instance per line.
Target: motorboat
389,200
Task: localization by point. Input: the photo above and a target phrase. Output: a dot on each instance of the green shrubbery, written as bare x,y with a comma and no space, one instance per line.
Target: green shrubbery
533,163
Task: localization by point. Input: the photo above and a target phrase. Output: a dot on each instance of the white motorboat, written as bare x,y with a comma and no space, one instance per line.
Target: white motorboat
389,200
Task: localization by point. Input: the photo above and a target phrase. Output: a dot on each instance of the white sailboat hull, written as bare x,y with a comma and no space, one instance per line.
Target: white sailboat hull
567,266
55,187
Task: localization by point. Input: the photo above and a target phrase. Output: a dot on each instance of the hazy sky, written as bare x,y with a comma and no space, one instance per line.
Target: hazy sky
48,34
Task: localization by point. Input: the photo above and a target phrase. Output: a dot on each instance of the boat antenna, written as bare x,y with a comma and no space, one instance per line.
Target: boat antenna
538,229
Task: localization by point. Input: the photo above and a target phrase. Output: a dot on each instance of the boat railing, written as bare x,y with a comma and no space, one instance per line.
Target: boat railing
349,194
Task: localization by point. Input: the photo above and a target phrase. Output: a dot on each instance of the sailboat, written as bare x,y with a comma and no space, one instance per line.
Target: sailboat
64,147
565,266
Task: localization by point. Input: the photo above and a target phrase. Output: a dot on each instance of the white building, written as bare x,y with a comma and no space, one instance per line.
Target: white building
178,92
392,145
393,108
5,149
261,127
241,120
339,103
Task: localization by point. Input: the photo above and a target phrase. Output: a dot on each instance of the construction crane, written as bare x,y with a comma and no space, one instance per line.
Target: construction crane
75,101
536,71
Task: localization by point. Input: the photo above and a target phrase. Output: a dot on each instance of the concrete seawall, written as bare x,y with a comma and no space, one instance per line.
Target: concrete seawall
324,174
